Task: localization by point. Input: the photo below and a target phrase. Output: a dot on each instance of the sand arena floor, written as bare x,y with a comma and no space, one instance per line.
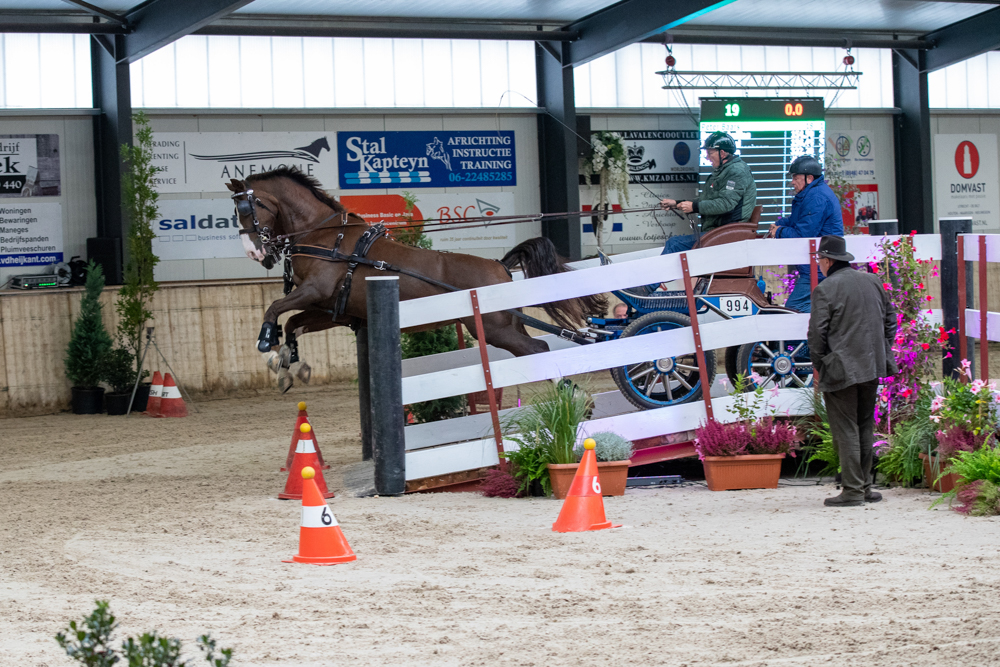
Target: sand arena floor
176,522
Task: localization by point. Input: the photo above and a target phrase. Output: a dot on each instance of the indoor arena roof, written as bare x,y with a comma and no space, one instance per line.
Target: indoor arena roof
589,28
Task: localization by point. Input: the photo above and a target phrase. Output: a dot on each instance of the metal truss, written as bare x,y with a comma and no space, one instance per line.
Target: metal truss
674,80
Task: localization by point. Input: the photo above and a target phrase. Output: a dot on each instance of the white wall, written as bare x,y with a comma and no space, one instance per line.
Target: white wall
76,169
526,193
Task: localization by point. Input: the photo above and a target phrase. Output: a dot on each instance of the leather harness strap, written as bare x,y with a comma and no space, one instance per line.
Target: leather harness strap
358,257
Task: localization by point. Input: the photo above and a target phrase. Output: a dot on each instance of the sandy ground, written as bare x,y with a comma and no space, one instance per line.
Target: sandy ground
176,522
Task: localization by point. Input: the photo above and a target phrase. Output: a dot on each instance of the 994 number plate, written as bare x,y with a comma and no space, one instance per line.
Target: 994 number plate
737,306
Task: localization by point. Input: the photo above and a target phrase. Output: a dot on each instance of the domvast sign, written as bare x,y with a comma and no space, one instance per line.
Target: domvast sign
965,179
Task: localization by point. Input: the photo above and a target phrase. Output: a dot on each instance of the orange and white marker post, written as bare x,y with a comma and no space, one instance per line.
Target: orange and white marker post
155,392
583,508
321,541
305,457
171,402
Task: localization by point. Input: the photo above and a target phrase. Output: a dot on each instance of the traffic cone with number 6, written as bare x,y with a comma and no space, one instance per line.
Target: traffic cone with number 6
321,542
583,508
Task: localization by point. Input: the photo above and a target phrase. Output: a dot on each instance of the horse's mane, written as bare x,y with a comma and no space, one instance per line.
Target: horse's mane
308,182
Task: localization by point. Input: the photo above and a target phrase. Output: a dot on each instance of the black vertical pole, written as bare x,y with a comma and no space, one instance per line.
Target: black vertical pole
364,392
914,205
385,365
883,228
950,229
558,148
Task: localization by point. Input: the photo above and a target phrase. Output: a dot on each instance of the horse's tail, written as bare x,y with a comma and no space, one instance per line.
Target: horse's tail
538,257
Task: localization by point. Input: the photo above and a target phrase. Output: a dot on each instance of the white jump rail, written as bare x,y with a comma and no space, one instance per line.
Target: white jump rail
443,377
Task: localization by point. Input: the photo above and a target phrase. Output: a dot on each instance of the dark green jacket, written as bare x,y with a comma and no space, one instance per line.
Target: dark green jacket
729,195
851,330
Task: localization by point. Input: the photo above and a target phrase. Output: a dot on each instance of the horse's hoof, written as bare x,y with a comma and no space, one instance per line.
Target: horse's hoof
304,372
284,356
273,362
285,380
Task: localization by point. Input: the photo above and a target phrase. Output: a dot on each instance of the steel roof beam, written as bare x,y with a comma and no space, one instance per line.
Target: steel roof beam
97,11
794,39
963,40
160,22
269,30
64,27
630,21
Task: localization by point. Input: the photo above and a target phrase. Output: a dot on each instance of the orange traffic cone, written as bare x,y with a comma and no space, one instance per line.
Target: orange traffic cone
171,403
321,542
155,392
302,419
305,457
583,508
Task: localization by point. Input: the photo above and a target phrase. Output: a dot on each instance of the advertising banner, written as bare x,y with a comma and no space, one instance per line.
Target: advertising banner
206,161
965,179
453,209
30,234
855,153
197,229
426,159
661,156
641,230
29,165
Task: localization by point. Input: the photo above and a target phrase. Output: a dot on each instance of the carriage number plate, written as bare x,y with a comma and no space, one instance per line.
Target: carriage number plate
736,306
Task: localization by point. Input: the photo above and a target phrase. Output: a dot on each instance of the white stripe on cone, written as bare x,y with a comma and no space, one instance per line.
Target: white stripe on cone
318,517
155,390
305,447
171,392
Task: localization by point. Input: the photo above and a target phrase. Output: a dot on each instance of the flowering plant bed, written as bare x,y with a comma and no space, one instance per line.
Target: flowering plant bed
745,454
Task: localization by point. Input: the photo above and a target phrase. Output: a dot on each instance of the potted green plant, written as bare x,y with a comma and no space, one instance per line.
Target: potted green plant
747,453
613,459
546,429
88,344
140,201
118,370
966,416
977,486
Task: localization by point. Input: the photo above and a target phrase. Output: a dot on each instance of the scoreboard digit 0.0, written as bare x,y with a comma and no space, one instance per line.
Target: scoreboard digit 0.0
769,132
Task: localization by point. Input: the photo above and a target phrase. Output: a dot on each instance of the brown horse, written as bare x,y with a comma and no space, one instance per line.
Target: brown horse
285,207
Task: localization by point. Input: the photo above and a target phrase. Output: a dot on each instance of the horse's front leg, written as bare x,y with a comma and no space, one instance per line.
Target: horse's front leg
300,298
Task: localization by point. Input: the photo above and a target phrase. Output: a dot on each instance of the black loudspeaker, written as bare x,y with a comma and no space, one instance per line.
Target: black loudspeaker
108,253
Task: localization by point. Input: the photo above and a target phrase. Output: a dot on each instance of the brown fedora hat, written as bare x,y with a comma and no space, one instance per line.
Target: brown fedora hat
835,248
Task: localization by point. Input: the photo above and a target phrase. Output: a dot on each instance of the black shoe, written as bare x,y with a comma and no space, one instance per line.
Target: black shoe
841,501
873,497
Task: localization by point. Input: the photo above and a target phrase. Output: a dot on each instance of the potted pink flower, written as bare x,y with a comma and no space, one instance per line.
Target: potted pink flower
747,453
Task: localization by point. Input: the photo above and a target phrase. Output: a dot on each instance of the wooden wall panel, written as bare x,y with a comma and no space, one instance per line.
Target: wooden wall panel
36,331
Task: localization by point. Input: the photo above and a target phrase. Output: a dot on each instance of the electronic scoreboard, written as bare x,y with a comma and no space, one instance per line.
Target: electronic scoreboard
770,132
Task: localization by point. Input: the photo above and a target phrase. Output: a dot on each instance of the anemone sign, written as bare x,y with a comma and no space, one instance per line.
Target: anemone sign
965,179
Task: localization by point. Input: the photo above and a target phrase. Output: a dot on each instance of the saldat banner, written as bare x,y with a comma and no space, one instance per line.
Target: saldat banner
206,161
30,234
196,229
413,159
452,210
965,179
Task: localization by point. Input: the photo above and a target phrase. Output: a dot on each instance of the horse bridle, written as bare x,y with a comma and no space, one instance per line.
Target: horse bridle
248,207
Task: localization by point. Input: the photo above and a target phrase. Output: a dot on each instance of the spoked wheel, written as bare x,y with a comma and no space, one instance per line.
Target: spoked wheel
666,381
781,363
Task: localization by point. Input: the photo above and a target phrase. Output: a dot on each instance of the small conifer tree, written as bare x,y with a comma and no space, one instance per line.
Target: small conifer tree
89,342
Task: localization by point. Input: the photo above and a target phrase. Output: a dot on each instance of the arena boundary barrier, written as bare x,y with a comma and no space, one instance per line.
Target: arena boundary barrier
457,450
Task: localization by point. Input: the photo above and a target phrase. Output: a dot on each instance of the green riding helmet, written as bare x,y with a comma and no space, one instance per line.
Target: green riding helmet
721,141
805,164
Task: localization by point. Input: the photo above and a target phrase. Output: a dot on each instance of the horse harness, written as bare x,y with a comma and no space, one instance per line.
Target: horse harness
358,257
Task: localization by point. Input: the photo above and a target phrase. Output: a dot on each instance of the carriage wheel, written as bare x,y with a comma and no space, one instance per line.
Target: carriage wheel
782,363
667,381
731,362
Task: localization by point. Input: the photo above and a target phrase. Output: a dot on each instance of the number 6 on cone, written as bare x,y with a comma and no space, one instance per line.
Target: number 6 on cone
321,542
583,508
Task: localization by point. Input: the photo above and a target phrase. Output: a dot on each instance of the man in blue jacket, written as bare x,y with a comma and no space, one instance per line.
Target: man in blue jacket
815,213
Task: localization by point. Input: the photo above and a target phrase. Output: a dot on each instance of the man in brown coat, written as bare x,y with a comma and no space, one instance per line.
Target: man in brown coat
851,329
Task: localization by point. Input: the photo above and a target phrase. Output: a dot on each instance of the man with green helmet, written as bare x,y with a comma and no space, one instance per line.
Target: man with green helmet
729,195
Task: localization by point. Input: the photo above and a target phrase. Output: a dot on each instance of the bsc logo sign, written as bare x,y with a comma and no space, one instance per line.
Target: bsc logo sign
967,159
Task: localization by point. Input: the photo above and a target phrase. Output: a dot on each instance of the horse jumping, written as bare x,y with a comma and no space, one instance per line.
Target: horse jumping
287,212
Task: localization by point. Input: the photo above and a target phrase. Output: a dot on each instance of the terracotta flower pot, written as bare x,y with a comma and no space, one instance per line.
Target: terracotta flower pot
613,476
931,471
748,471
561,476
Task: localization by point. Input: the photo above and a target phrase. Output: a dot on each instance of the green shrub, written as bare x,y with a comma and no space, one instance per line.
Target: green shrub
912,435
89,643
89,343
436,341
610,447
118,370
